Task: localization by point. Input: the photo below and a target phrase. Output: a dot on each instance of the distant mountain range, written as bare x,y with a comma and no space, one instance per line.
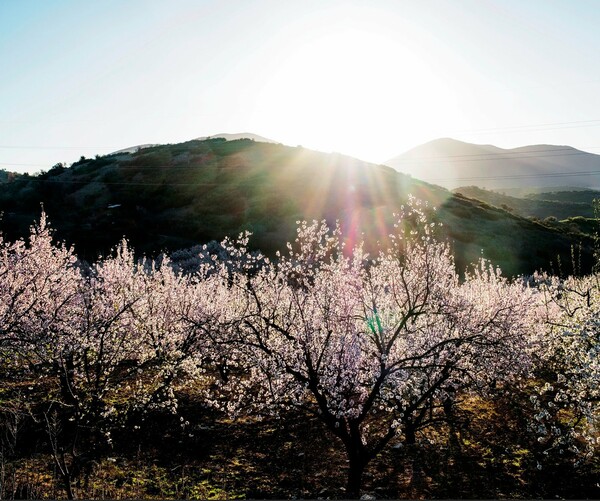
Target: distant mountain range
451,163
175,196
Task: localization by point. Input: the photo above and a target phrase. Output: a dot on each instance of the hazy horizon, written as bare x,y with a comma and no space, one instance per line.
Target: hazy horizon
370,80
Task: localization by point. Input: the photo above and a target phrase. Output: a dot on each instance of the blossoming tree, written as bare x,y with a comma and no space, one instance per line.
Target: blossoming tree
375,347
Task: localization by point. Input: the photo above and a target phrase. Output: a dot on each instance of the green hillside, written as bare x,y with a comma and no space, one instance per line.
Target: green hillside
573,196
542,205
174,196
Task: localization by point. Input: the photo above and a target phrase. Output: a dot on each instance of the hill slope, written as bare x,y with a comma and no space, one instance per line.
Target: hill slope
226,136
535,206
175,196
452,163
236,136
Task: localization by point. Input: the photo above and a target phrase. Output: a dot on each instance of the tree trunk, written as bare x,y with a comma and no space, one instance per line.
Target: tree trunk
411,460
358,457
355,473
453,440
68,487
410,436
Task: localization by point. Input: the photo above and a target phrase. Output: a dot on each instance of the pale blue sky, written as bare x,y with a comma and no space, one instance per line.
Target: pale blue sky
366,78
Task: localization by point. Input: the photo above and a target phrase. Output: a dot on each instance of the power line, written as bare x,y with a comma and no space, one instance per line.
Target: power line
27,165
497,155
29,147
461,159
544,125
517,176
215,184
536,127
436,159
124,183
526,128
522,157
473,178
467,157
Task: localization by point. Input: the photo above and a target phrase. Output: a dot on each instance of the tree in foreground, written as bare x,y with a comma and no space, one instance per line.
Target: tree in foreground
377,347
96,344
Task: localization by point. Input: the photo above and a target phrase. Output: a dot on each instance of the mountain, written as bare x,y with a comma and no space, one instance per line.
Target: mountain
226,136
174,196
451,163
239,135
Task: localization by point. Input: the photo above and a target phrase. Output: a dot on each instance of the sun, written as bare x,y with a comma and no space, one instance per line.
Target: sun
344,86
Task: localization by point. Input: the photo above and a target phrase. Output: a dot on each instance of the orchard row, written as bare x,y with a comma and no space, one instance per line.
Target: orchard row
380,347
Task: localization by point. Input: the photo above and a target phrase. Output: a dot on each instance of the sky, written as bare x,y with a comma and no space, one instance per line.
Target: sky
370,79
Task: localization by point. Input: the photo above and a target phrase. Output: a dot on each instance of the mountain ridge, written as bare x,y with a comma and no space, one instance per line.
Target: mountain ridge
452,163
238,135
175,196
223,135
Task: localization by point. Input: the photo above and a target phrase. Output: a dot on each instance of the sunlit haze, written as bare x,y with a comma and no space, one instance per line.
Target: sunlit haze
368,79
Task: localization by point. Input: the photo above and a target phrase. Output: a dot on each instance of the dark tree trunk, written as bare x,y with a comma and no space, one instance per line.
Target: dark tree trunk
410,434
355,474
453,440
411,459
358,458
68,487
